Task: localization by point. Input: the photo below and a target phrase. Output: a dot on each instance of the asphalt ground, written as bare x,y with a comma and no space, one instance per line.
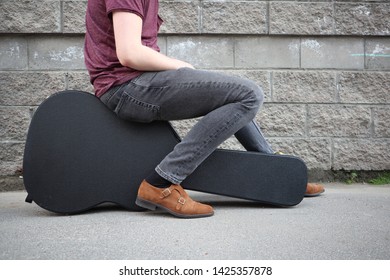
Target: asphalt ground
347,222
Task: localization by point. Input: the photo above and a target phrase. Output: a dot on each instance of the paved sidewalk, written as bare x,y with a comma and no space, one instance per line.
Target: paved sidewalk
347,222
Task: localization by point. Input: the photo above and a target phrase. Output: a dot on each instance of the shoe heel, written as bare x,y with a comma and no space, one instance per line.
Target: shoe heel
145,204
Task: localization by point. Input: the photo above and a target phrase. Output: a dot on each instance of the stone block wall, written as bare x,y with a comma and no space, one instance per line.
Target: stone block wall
324,66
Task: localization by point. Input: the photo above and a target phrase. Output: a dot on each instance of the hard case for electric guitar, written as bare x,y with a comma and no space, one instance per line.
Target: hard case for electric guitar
79,154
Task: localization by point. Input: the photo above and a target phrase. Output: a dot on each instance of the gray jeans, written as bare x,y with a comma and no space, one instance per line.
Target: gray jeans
227,105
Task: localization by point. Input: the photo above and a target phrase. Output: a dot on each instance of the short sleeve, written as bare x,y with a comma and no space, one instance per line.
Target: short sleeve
133,6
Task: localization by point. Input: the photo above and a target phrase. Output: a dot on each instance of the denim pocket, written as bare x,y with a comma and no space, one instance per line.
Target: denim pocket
132,109
110,98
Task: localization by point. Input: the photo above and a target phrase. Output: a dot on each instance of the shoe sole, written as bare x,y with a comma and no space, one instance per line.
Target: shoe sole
153,206
314,194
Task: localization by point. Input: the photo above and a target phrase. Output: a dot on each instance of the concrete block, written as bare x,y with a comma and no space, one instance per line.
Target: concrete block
11,157
202,52
180,17
162,44
364,87
315,152
361,154
382,121
282,120
231,144
304,86
73,14
339,121
30,16
332,53
11,182
56,53
14,122
301,18
261,78
267,52
13,53
378,53
29,88
362,18
79,81
234,17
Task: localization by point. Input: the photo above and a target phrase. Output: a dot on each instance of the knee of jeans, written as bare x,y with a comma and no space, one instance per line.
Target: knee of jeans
254,97
259,95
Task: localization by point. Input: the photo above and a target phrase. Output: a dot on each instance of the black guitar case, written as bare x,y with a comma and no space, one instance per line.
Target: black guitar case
79,154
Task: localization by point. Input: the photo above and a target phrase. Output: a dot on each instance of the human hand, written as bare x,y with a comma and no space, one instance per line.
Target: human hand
183,64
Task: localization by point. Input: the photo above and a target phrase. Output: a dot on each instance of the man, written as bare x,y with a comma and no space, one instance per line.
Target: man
132,78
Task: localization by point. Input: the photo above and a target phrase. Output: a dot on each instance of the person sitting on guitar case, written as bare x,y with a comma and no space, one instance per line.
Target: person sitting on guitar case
133,79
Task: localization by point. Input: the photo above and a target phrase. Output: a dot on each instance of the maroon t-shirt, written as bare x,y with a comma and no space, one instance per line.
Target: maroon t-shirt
101,60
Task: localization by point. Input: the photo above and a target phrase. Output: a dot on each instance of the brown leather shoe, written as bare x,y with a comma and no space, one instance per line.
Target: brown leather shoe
314,190
173,200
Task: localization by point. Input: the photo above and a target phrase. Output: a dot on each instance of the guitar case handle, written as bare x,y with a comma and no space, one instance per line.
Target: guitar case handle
29,199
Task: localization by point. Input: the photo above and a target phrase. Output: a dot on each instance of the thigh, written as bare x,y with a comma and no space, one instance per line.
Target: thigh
189,93
174,94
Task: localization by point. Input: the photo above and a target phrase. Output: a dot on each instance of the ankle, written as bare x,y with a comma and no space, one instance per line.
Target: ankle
157,181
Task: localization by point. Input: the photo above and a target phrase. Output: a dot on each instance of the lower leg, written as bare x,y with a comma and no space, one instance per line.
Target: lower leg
252,139
204,138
